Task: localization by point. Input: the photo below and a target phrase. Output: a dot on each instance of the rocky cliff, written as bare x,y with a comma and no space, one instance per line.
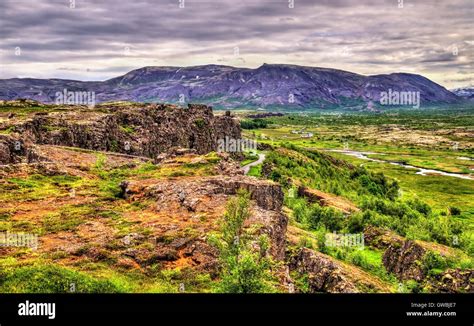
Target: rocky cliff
15,150
323,273
146,130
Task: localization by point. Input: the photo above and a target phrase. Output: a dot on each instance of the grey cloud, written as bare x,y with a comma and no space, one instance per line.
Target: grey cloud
377,34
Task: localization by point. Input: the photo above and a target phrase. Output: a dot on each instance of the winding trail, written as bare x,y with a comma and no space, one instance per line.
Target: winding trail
246,168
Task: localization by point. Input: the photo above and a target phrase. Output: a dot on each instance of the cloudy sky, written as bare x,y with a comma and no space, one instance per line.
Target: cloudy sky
101,39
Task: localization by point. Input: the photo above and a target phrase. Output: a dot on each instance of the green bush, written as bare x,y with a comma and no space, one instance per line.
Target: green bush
356,223
433,260
200,123
243,269
328,217
301,211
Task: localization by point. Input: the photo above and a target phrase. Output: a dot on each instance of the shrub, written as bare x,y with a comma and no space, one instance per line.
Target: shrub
301,211
328,217
200,123
433,260
420,206
244,270
356,223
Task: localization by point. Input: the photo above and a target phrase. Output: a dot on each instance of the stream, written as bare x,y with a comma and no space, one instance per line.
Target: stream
421,171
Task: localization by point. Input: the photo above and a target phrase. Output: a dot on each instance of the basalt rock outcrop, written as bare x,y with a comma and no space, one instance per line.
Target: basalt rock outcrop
323,274
11,150
401,257
452,281
193,198
380,238
268,195
146,130
14,150
405,260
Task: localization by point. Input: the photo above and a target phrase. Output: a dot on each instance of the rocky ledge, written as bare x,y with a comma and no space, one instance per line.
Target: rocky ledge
146,130
405,259
194,198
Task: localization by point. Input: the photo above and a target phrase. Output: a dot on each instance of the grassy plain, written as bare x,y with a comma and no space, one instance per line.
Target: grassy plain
439,140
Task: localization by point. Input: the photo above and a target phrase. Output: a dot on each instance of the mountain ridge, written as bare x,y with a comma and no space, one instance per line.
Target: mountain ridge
268,86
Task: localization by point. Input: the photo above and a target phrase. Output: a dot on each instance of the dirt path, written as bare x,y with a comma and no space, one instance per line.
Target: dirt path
246,168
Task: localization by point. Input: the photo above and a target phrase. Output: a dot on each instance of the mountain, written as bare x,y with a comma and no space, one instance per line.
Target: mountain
464,92
268,86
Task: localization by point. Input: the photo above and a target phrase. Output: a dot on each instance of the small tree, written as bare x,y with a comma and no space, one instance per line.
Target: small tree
244,269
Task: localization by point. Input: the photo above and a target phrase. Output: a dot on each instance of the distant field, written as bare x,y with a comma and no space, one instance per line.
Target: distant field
440,140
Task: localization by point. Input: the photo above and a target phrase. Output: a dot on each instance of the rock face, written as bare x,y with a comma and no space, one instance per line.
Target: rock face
323,274
405,260
143,131
15,150
453,281
401,257
268,195
191,198
380,238
228,166
11,150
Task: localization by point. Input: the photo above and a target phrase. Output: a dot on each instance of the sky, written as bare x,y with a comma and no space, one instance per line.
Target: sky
102,39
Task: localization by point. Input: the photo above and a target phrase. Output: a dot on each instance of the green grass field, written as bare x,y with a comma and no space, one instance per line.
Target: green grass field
434,139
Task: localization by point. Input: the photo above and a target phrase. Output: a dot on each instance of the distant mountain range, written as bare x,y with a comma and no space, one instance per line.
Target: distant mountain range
464,92
270,86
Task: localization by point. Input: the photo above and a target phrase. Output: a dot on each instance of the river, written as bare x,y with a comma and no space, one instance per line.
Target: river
421,171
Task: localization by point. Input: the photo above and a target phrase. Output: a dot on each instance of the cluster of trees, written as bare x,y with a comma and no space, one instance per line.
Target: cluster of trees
253,124
320,171
315,217
413,219
374,193
416,220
